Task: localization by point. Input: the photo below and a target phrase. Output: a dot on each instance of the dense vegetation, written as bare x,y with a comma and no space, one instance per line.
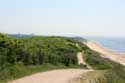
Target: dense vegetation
97,62
40,53
37,50
114,75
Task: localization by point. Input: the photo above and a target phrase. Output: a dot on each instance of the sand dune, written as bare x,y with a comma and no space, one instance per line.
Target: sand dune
117,57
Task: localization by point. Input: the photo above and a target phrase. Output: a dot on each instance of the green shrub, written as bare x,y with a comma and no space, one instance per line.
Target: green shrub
114,75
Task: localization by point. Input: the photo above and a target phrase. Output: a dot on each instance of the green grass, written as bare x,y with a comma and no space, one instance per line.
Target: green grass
114,75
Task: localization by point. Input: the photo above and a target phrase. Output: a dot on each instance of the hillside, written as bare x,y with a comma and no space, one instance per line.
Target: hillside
21,56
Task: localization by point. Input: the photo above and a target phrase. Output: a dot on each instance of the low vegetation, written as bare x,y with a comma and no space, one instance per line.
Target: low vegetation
97,62
114,75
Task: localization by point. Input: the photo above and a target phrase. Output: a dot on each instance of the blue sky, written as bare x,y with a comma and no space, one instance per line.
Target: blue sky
63,17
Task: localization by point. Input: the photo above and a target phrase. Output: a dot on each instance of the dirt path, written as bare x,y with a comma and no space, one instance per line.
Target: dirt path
81,60
117,57
55,76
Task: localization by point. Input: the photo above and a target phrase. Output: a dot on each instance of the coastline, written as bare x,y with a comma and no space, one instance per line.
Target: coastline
106,53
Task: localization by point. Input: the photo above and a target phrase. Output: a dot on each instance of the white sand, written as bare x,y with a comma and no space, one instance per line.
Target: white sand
118,57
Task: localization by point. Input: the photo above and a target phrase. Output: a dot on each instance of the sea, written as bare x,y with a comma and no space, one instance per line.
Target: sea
113,43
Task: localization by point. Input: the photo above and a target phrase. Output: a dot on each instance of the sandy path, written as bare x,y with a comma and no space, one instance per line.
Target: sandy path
81,60
55,76
118,57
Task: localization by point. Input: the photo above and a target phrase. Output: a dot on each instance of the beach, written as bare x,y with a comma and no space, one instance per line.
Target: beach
107,53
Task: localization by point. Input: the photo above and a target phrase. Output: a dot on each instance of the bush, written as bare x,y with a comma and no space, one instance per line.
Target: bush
114,75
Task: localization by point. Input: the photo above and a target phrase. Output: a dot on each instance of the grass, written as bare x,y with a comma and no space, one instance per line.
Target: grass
89,77
115,75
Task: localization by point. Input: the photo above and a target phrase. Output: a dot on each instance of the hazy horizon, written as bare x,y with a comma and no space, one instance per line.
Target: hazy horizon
63,17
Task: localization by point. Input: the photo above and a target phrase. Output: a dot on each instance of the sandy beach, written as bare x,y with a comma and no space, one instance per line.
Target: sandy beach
106,53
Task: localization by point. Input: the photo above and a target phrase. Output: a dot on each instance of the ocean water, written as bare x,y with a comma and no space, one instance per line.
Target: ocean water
116,44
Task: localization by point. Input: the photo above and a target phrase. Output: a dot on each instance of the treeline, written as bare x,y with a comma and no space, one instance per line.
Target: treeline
54,50
37,50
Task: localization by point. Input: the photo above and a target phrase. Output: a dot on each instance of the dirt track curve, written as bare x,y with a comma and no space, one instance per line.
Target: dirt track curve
54,76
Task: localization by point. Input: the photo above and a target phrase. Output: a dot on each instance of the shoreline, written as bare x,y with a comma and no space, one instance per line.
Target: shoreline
107,53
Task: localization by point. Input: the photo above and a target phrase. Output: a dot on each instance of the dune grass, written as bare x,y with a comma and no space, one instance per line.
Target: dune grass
114,75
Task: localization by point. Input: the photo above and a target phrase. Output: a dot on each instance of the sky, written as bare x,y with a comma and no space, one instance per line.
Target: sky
63,17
